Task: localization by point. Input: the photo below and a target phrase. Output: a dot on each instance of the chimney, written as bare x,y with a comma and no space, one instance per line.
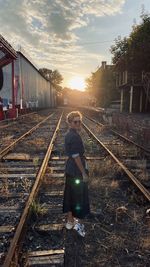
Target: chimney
104,65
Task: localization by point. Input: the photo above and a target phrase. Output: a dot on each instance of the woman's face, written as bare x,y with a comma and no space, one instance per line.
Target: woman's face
76,123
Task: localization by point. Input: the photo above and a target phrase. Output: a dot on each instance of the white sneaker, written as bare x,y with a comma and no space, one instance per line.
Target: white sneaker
70,225
80,229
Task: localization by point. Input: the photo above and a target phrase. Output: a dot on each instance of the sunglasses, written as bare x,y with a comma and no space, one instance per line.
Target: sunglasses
78,121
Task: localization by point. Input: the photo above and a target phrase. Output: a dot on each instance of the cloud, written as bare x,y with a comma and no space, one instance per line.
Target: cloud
56,17
48,29
102,8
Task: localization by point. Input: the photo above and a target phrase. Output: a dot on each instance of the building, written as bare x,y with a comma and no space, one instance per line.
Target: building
23,86
134,90
103,85
7,57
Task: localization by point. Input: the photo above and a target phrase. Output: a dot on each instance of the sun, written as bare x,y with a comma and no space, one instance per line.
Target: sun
77,83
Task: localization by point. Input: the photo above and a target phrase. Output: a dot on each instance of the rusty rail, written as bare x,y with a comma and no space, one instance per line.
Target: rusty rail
8,148
132,177
14,242
120,135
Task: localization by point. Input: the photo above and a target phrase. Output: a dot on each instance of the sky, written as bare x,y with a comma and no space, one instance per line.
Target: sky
73,36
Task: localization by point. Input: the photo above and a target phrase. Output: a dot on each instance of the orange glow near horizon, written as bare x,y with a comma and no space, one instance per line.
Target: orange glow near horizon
77,83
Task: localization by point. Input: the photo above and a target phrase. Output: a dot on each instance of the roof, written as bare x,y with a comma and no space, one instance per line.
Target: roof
7,53
19,52
7,48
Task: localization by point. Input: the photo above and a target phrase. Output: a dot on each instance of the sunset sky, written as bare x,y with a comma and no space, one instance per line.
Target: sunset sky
73,36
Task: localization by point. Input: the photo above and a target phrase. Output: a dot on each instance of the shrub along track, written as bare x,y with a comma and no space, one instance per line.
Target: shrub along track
20,173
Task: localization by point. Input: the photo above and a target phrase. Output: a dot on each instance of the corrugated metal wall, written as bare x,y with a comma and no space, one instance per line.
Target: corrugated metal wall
6,91
31,89
34,89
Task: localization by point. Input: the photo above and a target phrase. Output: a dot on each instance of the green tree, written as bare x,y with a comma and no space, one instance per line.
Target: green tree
53,76
133,52
119,50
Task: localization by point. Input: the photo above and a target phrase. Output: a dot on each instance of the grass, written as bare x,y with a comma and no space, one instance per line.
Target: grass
145,243
89,145
114,184
102,168
5,188
26,184
144,175
37,209
36,161
38,142
136,217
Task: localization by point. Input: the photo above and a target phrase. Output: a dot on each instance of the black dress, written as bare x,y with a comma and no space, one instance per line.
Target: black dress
76,197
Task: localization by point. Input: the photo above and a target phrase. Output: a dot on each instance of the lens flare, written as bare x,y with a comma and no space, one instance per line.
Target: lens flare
78,207
77,181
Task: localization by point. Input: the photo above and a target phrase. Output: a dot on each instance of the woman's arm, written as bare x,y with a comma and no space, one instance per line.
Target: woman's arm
80,166
72,145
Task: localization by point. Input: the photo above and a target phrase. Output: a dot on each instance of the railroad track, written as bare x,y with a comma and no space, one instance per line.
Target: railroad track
17,136
45,242
13,130
133,159
21,168
47,246
9,122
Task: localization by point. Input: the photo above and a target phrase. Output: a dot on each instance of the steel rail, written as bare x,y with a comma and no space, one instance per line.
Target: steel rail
145,192
16,118
8,148
8,122
39,177
121,136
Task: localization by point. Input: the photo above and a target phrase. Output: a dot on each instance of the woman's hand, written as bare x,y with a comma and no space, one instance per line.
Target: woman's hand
85,177
81,168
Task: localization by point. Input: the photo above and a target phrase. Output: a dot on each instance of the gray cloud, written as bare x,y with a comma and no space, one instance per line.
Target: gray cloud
48,29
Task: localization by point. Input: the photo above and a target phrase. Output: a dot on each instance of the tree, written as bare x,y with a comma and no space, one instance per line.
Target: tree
90,84
56,77
101,85
133,52
53,76
119,50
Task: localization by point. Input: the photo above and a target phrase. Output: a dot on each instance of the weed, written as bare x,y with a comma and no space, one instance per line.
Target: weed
37,209
36,161
26,184
5,188
114,184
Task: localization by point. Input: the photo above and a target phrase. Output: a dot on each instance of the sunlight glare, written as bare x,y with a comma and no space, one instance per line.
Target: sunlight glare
77,83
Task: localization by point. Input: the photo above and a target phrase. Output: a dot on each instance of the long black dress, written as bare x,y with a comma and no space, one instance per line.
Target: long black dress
76,197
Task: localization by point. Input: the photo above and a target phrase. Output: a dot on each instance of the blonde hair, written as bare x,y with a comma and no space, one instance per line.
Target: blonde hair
72,115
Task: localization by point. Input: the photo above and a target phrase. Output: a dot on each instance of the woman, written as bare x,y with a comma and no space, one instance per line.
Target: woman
76,201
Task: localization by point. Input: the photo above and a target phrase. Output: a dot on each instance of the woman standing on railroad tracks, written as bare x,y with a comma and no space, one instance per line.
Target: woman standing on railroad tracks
76,201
